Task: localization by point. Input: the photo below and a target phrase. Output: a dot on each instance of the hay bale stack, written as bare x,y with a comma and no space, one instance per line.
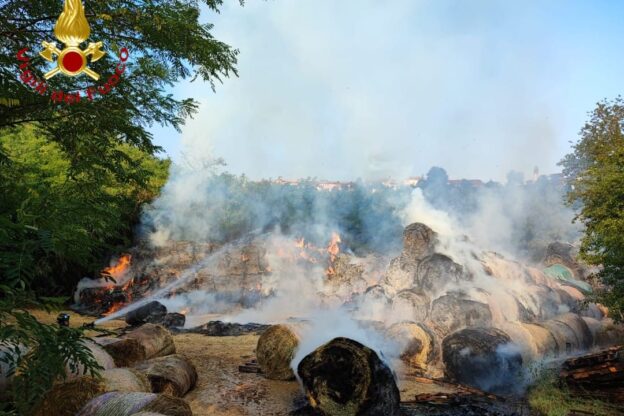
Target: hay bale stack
482,357
344,377
276,349
452,312
126,352
128,404
174,374
416,343
67,398
155,340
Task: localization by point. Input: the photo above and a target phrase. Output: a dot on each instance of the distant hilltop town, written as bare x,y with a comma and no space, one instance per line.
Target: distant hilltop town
412,182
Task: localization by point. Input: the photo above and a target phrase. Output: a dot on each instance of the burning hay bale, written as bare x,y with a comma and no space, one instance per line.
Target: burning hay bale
437,271
451,312
416,343
152,312
155,340
174,374
127,404
418,240
65,399
344,377
276,349
482,357
156,313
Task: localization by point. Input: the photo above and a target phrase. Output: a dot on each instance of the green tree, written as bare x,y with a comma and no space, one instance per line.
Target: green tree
595,169
73,177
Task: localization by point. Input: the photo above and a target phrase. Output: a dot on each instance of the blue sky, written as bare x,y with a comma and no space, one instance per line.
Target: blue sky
362,88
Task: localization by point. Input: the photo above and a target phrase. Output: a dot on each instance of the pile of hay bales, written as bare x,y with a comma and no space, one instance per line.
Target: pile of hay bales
67,398
127,391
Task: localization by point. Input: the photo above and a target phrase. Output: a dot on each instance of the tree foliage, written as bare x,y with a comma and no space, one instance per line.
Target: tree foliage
596,170
73,177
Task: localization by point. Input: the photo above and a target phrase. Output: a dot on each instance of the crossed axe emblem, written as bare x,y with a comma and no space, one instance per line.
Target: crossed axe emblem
72,60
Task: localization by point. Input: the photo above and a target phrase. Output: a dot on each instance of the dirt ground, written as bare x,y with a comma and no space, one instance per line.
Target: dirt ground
223,390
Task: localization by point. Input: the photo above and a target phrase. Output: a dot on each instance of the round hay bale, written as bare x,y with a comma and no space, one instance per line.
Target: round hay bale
127,404
126,352
608,333
482,357
154,339
570,332
522,337
174,374
544,341
344,377
418,240
411,304
275,351
416,343
437,271
67,398
452,312
580,328
102,357
153,311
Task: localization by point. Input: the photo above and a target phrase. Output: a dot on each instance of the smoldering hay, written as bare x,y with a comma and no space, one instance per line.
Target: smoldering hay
407,306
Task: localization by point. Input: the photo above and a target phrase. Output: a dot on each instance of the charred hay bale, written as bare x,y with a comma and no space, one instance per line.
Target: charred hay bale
155,340
153,312
67,398
452,312
418,240
276,349
174,320
411,305
127,404
482,357
437,271
344,377
417,344
174,374
126,352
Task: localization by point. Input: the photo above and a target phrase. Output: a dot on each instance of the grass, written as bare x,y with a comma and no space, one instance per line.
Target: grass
548,398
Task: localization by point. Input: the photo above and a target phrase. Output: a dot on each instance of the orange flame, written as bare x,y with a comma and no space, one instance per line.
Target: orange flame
118,269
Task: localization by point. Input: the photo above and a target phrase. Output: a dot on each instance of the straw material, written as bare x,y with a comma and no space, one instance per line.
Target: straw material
275,350
128,404
174,374
65,399
155,340
101,356
346,378
416,344
126,352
